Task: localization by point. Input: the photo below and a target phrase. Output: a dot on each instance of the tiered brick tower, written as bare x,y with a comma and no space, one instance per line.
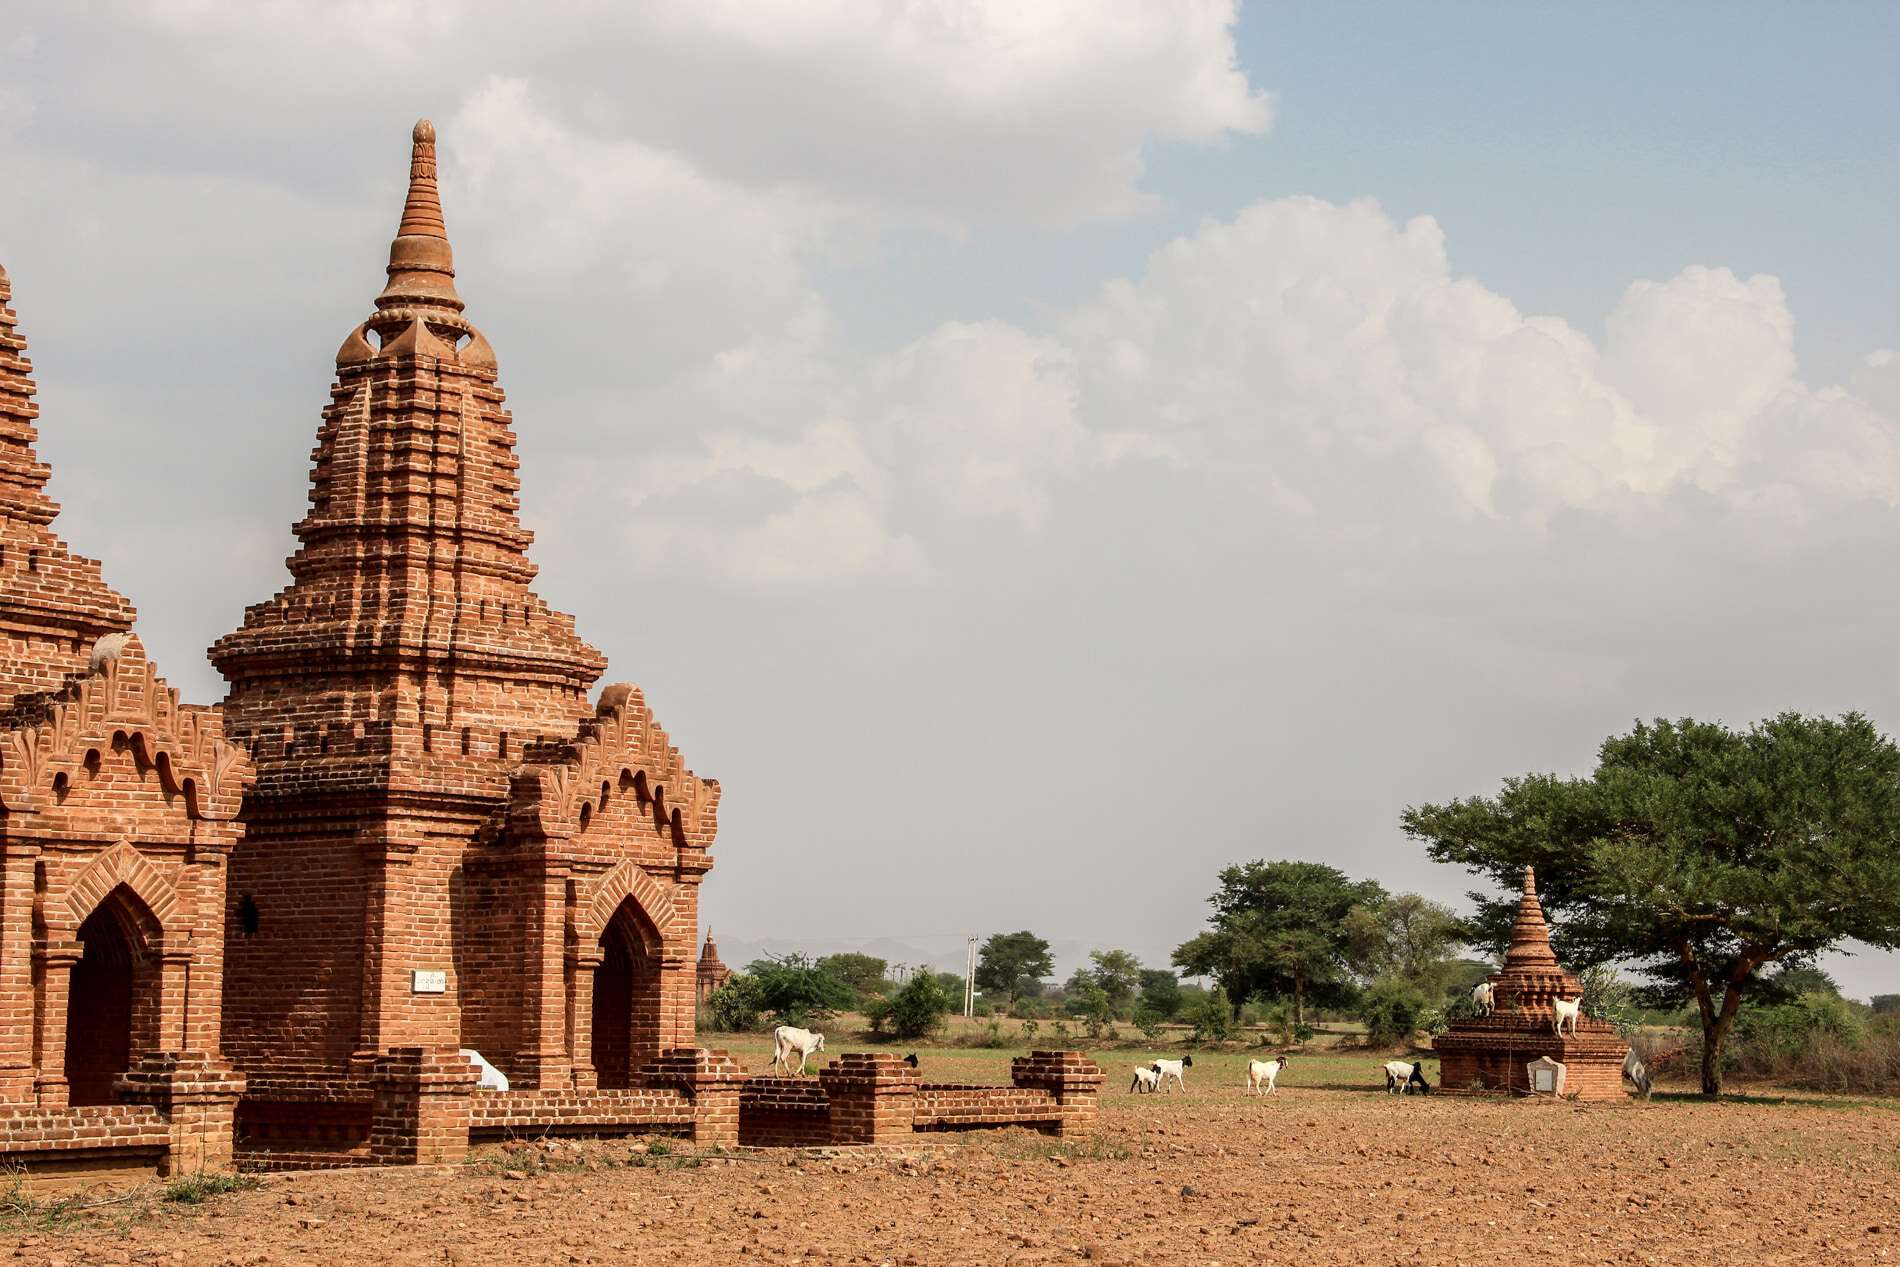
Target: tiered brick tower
1489,1052
446,843
712,972
117,810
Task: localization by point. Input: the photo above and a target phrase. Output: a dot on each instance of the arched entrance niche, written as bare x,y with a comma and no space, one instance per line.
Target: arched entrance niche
112,996
626,1019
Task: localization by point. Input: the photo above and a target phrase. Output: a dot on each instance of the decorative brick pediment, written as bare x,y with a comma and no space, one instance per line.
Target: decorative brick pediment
621,753
122,704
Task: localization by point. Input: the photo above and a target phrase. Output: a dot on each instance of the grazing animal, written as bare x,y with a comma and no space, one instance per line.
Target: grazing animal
1146,1079
492,1079
1484,998
1404,1079
787,1039
1166,1069
1634,1070
1263,1071
911,1060
1562,1010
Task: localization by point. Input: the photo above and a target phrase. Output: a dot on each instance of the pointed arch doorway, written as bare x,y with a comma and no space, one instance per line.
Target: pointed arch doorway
111,996
626,1008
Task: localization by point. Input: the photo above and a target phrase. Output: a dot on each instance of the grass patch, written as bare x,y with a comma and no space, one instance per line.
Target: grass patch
1028,1146
199,1188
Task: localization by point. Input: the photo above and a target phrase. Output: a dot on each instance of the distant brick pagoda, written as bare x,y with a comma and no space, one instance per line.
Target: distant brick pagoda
712,973
1489,1053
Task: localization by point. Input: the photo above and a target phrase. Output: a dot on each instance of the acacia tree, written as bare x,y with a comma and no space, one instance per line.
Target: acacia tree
1406,937
1013,964
1278,928
1698,853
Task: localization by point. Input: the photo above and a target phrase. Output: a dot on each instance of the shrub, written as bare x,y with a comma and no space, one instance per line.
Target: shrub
916,1011
1608,997
1030,1027
1390,1010
797,992
1149,1022
1212,1017
734,1006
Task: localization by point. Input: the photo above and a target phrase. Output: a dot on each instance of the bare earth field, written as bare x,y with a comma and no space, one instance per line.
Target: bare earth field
1327,1171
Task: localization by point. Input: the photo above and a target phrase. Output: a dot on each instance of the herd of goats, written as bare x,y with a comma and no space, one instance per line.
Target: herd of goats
1400,1078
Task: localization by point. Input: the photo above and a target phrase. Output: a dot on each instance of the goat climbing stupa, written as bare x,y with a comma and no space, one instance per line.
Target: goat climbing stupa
448,846
1491,1052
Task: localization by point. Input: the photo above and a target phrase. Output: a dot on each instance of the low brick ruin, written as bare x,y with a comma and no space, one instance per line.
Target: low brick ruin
260,934
1480,1054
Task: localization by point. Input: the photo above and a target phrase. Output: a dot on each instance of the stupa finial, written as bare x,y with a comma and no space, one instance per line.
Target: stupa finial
421,265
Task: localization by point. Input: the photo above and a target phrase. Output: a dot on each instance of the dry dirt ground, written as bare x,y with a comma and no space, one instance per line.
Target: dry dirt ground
1327,1171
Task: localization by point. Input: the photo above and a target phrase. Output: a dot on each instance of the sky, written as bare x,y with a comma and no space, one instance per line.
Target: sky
1033,455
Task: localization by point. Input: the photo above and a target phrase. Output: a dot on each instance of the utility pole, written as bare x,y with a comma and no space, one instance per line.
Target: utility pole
969,979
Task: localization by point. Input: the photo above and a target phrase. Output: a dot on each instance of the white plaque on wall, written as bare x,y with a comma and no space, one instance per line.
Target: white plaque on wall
428,981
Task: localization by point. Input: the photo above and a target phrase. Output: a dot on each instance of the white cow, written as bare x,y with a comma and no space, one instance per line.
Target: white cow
1263,1072
1484,998
1562,1011
787,1039
492,1079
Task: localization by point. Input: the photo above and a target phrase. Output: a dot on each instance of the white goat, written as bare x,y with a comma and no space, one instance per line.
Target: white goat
1146,1079
1636,1072
1404,1079
1562,1010
492,1079
787,1039
1484,998
1263,1071
1166,1069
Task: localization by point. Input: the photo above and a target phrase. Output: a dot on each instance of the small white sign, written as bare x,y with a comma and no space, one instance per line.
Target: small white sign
428,981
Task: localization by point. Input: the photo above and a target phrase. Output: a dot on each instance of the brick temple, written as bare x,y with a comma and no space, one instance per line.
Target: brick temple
1490,1053
263,933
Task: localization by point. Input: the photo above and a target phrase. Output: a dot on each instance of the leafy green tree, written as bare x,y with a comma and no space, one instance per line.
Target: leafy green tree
1885,1004
1408,937
1013,965
863,973
915,1011
795,990
1793,980
1698,853
1160,993
1279,928
1118,973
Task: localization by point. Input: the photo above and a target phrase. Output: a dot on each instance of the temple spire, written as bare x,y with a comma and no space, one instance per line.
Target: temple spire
22,474
1530,934
421,265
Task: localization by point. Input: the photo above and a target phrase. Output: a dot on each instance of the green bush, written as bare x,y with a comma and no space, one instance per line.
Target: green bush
1608,997
734,1007
916,1011
1212,1017
1390,1010
1149,1022
797,992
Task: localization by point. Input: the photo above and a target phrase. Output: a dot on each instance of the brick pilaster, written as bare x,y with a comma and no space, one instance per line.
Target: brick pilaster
198,1096
873,1098
421,1110
712,1080
1074,1080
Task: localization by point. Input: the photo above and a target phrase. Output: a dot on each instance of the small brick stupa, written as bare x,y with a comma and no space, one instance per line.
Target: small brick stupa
1489,1053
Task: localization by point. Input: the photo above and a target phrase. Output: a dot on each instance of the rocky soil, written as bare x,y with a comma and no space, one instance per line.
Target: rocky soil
1318,1174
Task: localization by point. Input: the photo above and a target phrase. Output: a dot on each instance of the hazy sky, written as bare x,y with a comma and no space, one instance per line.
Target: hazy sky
1033,455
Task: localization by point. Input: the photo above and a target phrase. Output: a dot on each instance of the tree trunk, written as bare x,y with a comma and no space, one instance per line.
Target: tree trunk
1299,997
